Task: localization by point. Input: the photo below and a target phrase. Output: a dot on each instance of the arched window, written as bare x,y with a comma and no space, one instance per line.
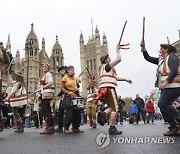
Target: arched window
87,64
35,52
91,65
54,63
94,62
31,52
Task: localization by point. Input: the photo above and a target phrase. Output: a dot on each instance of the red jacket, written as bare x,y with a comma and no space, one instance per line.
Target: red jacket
150,107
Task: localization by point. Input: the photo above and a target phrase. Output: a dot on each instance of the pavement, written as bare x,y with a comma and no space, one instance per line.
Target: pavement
135,139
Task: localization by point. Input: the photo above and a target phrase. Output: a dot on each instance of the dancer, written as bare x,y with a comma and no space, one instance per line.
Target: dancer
47,90
62,72
91,105
108,83
168,81
69,87
18,101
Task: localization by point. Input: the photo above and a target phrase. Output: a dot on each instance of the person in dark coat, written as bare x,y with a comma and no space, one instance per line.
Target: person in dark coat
140,104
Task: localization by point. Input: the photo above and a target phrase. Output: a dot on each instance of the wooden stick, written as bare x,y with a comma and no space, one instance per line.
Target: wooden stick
83,71
122,33
9,65
89,73
143,31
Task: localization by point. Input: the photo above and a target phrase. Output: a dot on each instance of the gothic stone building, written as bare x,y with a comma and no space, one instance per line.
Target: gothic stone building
31,66
177,45
90,54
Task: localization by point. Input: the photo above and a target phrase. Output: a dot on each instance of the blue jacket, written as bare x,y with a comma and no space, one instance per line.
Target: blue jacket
133,108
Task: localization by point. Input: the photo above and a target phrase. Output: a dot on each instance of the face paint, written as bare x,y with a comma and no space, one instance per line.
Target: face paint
162,51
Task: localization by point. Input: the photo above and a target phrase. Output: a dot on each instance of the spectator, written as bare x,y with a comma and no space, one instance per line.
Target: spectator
18,101
47,90
133,110
150,110
120,112
140,104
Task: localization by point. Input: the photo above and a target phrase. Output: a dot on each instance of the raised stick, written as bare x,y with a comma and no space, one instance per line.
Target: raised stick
143,31
122,33
83,71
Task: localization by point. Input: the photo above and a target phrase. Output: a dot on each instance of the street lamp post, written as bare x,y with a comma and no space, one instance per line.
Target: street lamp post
28,46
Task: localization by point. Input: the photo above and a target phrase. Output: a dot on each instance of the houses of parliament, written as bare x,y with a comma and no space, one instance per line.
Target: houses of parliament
31,65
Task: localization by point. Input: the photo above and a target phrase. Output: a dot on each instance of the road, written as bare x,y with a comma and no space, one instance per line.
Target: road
145,139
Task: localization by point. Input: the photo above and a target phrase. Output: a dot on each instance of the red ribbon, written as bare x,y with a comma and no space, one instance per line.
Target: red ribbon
122,45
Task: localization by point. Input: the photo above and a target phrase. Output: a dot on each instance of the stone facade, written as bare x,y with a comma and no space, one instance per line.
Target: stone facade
90,54
35,59
177,45
90,57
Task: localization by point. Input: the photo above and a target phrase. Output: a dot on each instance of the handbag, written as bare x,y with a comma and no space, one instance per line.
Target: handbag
47,95
66,102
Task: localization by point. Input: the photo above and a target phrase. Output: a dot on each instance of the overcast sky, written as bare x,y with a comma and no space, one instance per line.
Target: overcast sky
66,18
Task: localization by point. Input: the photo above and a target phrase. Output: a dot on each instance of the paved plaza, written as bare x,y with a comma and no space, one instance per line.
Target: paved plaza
148,139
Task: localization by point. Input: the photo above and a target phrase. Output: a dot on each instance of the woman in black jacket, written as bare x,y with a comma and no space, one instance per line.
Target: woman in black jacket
168,81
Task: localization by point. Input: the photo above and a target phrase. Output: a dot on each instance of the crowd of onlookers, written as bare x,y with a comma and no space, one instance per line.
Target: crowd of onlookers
138,111
141,111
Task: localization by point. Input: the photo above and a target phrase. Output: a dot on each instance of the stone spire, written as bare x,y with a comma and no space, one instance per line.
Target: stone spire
17,62
92,25
34,44
43,54
57,58
57,46
43,43
104,39
31,61
32,34
81,38
8,44
43,57
17,58
97,33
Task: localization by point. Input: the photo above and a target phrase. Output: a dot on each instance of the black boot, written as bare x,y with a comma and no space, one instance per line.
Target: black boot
173,131
101,118
113,131
94,125
2,123
58,130
178,121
